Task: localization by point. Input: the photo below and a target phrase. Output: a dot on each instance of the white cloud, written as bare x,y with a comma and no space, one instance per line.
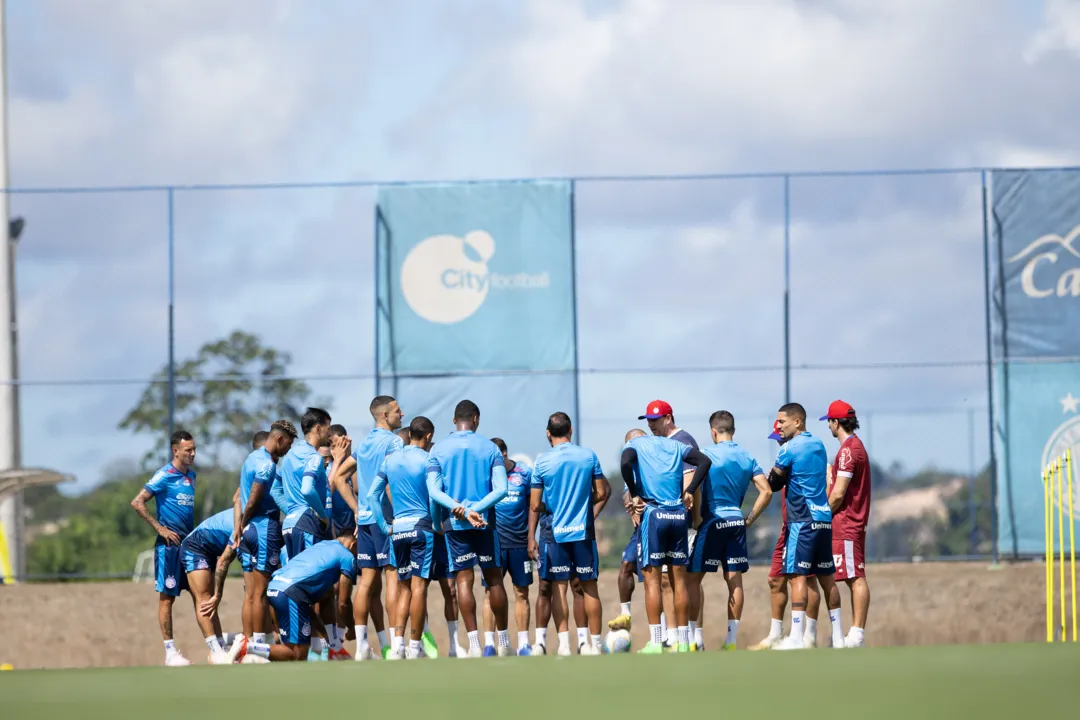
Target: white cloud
1060,32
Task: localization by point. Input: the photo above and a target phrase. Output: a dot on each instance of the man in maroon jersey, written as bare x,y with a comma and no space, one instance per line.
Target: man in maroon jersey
849,498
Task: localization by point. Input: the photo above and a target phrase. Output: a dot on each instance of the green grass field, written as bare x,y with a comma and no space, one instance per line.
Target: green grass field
1020,681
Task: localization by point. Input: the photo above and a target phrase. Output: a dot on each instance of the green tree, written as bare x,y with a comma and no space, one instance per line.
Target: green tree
230,389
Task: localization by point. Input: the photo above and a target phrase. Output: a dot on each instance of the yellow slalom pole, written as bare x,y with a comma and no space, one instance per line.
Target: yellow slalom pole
1061,544
5,559
1072,539
1048,523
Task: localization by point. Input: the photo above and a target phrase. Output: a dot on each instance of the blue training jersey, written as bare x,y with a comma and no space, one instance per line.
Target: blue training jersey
805,458
466,461
174,495
512,512
258,468
659,469
725,486
370,456
303,469
566,473
543,523
213,534
405,471
308,576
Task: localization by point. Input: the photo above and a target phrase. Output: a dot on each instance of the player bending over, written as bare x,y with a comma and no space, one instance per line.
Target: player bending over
173,490
721,538
199,553
308,578
573,487
466,475
652,469
801,468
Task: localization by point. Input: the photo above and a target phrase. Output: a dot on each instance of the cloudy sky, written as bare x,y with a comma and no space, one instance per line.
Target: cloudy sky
672,275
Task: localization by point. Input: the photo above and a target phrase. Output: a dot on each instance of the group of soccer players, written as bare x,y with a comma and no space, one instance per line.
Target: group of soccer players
325,531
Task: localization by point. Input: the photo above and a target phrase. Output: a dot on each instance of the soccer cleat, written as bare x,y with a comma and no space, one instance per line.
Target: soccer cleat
238,649
219,657
622,622
580,647
768,643
398,654
489,651
524,651
728,646
364,652
693,647
474,652
177,660
538,650
668,647
809,641
250,659
411,654
652,648
790,643
852,643
385,652
313,656
505,651
589,649
682,648
338,655
431,650
564,651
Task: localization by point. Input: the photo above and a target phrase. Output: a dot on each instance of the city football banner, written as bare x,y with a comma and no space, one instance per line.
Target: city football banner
1035,222
475,289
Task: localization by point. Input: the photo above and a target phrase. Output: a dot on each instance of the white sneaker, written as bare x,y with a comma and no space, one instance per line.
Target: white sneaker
589,649
411,654
474,653
790,643
365,653
219,657
539,650
238,649
177,660
504,651
397,654
809,640
769,643
564,651
852,643
254,660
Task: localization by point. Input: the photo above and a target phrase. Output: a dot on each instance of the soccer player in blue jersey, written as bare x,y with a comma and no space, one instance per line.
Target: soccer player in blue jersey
467,476
512,524
720,542
652,470
417,549
199,553
309,578
801,468
257,535
572,486
173,490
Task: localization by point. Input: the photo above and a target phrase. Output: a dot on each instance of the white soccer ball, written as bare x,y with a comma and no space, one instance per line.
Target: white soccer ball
617,641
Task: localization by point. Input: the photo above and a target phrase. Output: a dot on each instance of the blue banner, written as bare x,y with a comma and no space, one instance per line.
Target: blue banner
1036,225
475,299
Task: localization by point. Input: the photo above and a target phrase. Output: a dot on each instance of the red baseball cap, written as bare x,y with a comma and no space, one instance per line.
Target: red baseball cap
656,409
838,410
776,431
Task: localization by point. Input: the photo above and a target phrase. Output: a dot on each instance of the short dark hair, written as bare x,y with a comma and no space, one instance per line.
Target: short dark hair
180,436
312,418
466,410
722,422
338,430
284,427
559,425
794,409
850,424
500,443
259,439
378,402
421,427
403,433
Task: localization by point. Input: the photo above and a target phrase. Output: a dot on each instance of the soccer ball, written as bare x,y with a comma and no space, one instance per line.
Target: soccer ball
617,641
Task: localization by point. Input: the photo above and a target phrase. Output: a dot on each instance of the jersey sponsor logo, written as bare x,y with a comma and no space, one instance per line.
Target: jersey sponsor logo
819,508
560,568
405,535
486,558
737,561
824,565
821,526
725,524
676,555
272,593
564,529
583,570
464,558
804,565
657,556
845,459
363,556
1044,262
712,563
445,278
185,500
670,516
381,556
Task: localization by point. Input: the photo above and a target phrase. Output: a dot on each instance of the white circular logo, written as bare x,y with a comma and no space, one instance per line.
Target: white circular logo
170,582
306,629
1066,437
445,278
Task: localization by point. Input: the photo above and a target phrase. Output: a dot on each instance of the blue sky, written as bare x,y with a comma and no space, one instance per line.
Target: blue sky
114,92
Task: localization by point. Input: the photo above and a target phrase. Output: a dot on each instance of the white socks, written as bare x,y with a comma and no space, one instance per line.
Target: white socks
693,631
489,639
798,624
598,642
836,616
337,636
699,638
361,638
663,626
811,627
732,631
582,636
451,627
414,646
624,608
474,640
776,629
541,636
260,649
564,640
504,638
170,649
523,638
258,637
656,634
398,643
213,644
684,635
856,633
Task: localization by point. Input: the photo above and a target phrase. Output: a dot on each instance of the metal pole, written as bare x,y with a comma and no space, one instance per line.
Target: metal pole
11,505
992,469
573,305
172,325
971,482
787,288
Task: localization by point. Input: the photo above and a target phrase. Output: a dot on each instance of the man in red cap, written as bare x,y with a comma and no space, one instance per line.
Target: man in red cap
849,498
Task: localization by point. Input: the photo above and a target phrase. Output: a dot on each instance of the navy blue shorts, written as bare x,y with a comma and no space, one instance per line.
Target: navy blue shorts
808,550
572,559
440,567
663,537
543,567
260,545
169,577
293,618
516,562
414,553
468,548
373,547
195,555
302,530
720,543
632,551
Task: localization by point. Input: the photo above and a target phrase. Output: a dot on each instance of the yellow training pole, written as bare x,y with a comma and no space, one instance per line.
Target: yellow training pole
1048,523
1072,538
1061,544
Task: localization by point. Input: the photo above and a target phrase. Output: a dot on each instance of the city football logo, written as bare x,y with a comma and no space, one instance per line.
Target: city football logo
445,278
1066,437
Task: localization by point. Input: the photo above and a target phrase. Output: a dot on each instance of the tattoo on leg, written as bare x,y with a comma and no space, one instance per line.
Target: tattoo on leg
168,627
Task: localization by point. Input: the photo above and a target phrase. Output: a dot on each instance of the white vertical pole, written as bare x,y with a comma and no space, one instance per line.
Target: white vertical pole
10,506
